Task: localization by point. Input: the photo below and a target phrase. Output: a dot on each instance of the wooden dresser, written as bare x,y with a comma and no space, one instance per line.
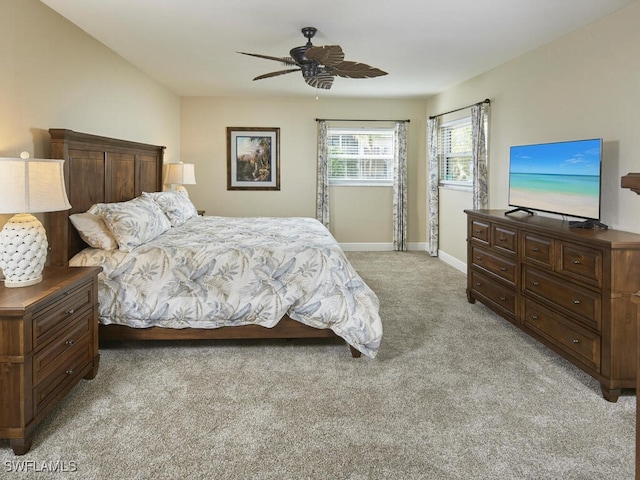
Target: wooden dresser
569,288
48,343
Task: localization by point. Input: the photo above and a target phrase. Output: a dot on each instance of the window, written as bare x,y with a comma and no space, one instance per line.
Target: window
360,157
454,145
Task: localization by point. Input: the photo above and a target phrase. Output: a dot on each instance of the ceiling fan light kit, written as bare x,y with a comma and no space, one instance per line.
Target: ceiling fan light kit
319,65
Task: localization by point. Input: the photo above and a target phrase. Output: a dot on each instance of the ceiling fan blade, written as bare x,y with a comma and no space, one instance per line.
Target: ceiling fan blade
329,55
321,80
356,70
275,74
284,60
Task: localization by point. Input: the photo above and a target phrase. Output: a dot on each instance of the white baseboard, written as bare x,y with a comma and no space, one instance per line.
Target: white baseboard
412,247
380,247
454,262
417,247
367,247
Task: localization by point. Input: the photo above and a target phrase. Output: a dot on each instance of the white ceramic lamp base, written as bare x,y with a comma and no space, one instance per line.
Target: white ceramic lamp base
23,250
181,190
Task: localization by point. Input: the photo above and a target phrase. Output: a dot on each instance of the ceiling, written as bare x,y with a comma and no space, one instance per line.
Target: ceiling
426,46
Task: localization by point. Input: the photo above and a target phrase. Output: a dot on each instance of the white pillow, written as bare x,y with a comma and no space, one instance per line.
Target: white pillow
134,222
93,231
177,207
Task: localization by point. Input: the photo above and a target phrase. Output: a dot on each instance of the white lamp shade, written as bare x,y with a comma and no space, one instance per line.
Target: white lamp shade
32,185
180,173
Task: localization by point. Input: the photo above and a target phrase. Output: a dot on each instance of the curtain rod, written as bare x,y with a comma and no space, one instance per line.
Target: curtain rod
356,120
486,100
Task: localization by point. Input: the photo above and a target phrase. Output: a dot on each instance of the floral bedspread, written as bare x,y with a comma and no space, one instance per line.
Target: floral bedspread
223,271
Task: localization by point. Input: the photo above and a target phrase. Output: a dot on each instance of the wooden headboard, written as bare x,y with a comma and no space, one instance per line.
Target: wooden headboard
97,170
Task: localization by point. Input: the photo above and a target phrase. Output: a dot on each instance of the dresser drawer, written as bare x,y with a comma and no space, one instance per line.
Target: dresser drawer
57,315
66,345
504,238
579,342
585,303
501,296
505,269
479,231
581,262
537,248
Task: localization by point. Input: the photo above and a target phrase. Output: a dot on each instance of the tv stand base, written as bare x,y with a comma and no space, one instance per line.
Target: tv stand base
520,209
587,224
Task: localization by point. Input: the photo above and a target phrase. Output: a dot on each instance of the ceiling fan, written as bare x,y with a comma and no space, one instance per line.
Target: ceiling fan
319,65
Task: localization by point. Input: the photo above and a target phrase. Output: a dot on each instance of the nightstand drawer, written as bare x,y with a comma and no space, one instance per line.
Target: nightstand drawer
66,345
62,373
56,316
572,338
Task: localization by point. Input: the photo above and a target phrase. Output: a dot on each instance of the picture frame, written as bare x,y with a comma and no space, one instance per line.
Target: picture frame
253,158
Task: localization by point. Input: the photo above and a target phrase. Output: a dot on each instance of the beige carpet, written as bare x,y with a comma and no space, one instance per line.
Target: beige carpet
455,393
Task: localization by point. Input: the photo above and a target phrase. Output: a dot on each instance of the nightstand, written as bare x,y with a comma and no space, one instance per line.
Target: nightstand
48,343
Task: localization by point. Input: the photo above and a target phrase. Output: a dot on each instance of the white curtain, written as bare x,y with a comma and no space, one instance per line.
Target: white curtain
400,188
432,186
479,132
322,199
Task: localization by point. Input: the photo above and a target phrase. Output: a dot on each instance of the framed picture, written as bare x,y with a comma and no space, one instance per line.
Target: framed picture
253,158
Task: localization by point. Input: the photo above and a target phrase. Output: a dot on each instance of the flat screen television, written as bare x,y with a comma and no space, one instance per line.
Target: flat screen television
561,178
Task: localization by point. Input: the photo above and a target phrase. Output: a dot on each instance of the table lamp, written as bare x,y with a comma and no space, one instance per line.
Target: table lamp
180,174
28,185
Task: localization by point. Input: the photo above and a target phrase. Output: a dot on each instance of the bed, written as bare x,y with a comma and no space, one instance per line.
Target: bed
286,297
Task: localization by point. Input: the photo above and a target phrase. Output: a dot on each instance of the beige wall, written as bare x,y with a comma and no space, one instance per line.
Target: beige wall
359,215
56,76
583,85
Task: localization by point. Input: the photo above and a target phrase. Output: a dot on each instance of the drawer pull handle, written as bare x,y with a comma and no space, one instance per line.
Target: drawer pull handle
502,239
478,257
534,283
69,343
576,262
535,249
503,269
576,302
70,311
534,317
503,298
478,232
575,340
477,284
69,372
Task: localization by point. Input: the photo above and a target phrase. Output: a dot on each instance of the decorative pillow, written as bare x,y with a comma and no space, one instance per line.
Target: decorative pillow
93,231
177,207
133,222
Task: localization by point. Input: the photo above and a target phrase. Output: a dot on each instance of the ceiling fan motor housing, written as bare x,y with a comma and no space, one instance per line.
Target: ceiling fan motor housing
298,55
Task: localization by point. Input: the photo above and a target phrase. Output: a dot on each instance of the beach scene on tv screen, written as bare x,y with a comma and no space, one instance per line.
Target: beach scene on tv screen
557,177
